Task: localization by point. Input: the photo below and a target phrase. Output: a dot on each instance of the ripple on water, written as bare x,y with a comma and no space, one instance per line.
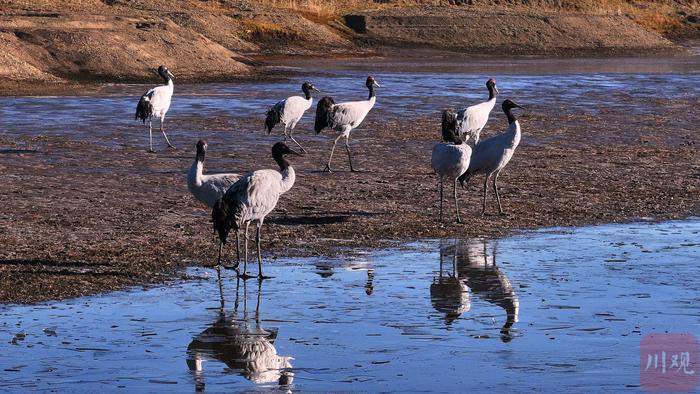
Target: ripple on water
477,313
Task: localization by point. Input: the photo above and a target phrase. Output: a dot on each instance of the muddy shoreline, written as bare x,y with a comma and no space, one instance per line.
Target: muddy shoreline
80,217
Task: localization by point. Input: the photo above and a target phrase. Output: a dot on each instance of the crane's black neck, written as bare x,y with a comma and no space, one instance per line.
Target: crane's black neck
492,92
509,115
451,136
282,162
200,155
371,91
165,76
307,92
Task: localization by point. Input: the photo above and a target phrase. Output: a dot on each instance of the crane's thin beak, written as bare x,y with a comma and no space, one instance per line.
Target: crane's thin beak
496,89
376,85
171,74
315,90
518,106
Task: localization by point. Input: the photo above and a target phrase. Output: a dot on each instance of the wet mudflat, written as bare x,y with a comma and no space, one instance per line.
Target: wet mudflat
83,207
556,309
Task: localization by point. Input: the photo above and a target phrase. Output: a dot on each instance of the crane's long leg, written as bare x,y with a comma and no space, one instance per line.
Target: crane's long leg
498,198
295,141
347,148
483,207
328,166
440,193
162,130
285,133
257,241
456,205
238,250
218,260
244,275
150,135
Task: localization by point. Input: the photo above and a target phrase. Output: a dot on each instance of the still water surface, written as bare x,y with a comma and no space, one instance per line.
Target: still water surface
556,310
410,88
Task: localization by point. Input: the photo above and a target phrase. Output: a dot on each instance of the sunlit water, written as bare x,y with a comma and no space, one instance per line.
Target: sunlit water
409,88
557,310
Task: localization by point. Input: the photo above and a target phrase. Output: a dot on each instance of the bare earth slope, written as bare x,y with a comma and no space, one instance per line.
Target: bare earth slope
125,40
507,33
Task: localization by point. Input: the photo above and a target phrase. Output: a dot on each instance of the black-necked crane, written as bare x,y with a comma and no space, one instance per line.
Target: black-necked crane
289,112
210,187
451,157
344,117
156,102
471,120
251,199
490,156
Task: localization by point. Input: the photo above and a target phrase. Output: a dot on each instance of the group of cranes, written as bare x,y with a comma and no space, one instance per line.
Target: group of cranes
455,160
237,200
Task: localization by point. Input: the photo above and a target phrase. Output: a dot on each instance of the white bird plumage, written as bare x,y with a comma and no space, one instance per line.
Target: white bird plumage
471,121
156,102
252,198
344,117
492,155
450,158
210,187
290,111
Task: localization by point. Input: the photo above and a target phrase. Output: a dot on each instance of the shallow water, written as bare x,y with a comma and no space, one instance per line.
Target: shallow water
410,87
557,310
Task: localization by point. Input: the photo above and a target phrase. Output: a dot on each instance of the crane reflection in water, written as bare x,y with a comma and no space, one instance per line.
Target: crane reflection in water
474,274
240,343
327,269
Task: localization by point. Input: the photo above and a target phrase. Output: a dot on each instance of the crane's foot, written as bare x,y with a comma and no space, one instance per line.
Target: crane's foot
244,276
504,213
151,151
459,221
327,169
263,277
353,170
172,147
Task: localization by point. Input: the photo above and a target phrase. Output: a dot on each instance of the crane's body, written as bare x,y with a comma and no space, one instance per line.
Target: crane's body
207,188
344,117
156,103
251,199
471,120
290,111
450,158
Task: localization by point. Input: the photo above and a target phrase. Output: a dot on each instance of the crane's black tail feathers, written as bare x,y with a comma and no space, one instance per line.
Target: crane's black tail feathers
464,178
144,109
219,217
226,215
324,115
449,125
272,117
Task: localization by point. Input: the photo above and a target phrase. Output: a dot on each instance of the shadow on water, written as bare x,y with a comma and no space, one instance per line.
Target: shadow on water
240,342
